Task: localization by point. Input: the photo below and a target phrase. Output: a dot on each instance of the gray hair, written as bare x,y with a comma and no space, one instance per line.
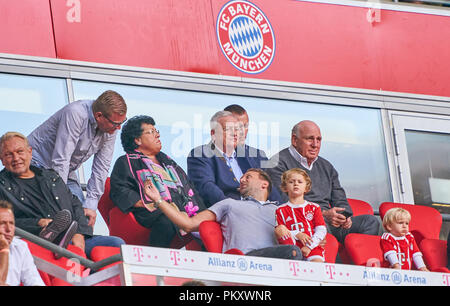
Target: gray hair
295,129
215,118
9,135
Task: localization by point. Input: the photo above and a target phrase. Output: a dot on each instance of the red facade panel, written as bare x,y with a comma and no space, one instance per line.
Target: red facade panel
26,28
414,53
166,34
337,45
317,43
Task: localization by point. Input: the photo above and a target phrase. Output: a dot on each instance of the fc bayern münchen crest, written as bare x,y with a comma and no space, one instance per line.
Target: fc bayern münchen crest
245,36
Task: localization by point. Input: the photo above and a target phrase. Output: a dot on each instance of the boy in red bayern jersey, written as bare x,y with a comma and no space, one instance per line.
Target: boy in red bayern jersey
399,247
299,221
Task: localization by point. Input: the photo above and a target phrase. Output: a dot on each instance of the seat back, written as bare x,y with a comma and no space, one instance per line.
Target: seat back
425,222
211,234
364,250
360,207
99,253
212,237
125,226
434,254
331,248
105,204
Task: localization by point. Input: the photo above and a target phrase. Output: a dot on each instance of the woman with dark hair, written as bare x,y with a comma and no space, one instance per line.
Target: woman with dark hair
144,160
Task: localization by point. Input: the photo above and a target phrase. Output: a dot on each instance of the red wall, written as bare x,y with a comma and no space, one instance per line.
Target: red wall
26,28
315,43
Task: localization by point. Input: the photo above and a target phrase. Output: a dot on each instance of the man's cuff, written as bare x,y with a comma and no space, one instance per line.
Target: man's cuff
90,203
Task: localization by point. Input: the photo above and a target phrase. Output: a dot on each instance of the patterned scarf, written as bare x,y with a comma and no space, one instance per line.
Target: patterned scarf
170,180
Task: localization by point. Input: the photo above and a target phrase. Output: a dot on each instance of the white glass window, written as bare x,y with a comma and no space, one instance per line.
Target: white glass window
27,101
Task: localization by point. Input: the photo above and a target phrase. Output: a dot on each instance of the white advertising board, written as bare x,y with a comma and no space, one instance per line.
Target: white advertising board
265,271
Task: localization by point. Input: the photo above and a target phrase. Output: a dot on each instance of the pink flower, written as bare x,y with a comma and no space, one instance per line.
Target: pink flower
191,209
190,193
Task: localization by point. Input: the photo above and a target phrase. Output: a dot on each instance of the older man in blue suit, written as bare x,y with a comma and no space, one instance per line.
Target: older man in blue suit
216,168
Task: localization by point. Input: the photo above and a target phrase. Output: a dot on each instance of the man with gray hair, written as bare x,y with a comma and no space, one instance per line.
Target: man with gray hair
326,190
16,262
72,135
216,168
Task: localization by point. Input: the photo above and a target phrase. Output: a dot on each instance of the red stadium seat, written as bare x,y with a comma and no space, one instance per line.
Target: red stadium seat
360,207
435,254
102,252
331,248
120,224
211,234
212,238
125,226
105,204
425,222
364,250
62,262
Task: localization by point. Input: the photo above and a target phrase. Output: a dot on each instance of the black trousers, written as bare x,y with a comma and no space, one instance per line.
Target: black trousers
162,230
363,224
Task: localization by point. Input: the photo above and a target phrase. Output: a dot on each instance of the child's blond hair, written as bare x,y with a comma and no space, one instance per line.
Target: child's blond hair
287,174
394,214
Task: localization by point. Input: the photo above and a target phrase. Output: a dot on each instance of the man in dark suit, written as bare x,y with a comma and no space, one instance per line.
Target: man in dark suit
216,168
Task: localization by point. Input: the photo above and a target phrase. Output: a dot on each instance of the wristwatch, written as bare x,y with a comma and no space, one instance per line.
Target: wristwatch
156,203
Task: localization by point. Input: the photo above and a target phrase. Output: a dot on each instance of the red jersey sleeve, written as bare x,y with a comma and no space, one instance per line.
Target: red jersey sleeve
387,244
279,217
318,217
413,245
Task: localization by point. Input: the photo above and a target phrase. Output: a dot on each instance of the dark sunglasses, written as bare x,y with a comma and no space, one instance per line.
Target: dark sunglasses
116,124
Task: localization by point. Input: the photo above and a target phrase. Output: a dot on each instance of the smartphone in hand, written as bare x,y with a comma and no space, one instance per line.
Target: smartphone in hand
346,214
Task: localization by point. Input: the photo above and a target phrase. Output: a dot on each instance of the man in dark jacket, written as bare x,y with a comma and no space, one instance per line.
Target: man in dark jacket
39,194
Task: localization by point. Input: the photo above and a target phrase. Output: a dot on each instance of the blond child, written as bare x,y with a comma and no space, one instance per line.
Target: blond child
300,222
399,247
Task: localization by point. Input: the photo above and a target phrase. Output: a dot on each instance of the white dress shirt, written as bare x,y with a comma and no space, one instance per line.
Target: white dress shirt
21,269
69,138
302,160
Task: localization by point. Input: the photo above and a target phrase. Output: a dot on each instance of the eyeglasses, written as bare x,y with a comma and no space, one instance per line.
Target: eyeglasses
116,124
231,129
151,132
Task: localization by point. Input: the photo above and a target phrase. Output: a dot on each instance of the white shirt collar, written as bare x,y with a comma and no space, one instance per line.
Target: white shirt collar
302,160
233,156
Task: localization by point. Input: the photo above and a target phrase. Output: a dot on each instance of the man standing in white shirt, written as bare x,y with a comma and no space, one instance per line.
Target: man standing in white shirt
16,262
72,135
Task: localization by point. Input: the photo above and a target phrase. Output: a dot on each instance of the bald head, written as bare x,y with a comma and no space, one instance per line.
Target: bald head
307,139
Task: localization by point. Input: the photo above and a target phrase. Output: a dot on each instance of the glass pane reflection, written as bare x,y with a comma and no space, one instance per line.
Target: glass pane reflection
27,101
429,163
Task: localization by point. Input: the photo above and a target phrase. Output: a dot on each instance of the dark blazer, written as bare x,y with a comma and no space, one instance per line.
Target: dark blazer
56,193
214,179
